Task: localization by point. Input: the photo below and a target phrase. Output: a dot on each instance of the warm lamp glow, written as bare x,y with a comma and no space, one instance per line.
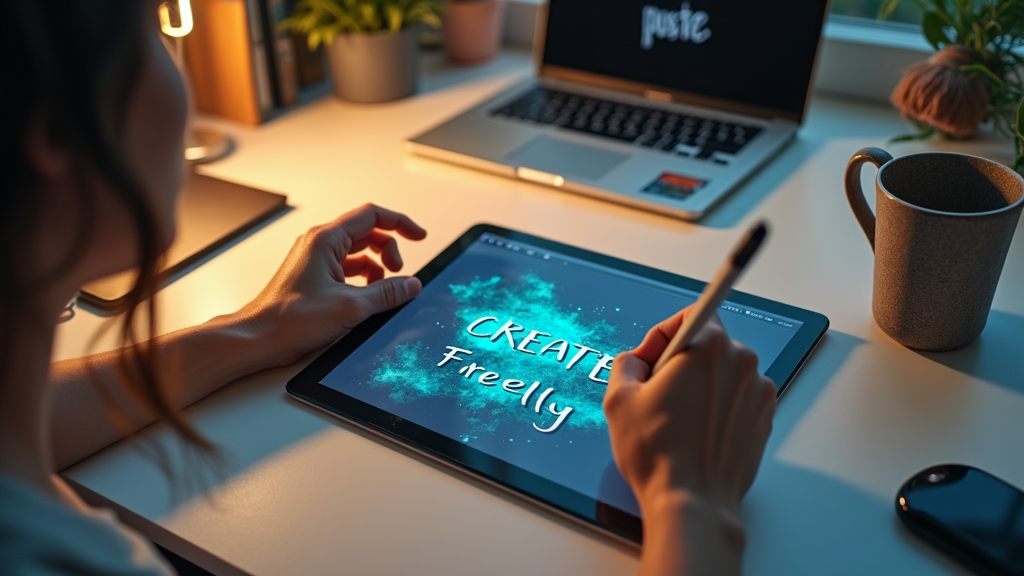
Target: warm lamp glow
184,14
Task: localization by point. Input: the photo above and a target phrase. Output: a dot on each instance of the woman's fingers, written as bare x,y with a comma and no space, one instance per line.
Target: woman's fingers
760,411
364,227
630,368
386,294
658,337
366,218
358,229
363,265
383,244
701,423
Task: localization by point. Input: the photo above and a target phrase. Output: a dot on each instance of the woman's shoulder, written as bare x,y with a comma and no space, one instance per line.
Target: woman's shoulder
39,535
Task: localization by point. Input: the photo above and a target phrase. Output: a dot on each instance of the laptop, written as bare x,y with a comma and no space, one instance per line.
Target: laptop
659,104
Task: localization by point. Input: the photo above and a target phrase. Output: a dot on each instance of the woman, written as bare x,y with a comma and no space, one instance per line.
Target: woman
93,112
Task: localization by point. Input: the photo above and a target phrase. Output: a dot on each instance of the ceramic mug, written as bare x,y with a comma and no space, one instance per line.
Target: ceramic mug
940,234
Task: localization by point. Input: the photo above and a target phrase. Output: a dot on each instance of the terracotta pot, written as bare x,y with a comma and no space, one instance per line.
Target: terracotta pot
473,29
374,67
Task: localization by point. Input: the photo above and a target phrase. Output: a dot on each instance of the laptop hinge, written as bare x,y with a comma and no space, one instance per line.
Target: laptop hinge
657,95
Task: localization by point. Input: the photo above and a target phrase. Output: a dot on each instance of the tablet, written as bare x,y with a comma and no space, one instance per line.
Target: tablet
499,367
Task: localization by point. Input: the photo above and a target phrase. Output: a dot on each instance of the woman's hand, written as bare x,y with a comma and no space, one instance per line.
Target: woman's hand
307,304
689,440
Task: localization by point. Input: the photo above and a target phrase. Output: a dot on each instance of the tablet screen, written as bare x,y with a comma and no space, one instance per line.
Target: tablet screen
508,350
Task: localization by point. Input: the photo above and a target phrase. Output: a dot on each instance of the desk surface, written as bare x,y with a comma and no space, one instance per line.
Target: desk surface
305,494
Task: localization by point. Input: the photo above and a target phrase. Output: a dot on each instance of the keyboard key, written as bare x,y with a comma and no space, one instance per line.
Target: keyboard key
727,147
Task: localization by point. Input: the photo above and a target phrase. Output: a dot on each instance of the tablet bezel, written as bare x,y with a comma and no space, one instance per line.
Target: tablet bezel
306,386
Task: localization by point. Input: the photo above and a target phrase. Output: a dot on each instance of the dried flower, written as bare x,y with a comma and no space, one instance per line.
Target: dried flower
939,93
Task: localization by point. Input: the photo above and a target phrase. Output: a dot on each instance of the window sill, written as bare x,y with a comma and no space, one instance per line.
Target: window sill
866,60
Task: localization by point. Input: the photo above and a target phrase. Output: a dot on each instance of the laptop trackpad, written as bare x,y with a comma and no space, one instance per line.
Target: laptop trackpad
565,158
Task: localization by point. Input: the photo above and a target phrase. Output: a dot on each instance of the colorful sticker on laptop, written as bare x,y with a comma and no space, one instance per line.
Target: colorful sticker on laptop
674,186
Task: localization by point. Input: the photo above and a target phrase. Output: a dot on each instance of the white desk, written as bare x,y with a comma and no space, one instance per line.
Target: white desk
305,494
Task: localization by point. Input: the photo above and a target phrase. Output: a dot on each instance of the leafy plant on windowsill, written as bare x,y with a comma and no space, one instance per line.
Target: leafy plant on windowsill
975,75
323,20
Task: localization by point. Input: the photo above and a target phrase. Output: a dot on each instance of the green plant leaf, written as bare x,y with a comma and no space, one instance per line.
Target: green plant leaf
322,20
934,30
939,7
425,11
395,18
1020,121
906,138
990,78
887,8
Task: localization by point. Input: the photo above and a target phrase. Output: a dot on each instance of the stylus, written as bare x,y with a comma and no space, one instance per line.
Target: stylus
715,292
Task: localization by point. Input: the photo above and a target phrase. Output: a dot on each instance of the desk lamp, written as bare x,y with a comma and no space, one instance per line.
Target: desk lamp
201,145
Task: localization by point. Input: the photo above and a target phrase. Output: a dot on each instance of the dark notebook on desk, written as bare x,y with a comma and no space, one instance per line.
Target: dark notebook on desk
211,213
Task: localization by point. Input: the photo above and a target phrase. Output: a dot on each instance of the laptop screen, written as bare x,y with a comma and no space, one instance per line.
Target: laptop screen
751,52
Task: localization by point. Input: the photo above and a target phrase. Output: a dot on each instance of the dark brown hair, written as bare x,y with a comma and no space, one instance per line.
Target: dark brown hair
71,66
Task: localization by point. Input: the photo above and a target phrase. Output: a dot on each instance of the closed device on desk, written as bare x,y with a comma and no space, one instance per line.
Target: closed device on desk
499,366
969,514
211,213
659,104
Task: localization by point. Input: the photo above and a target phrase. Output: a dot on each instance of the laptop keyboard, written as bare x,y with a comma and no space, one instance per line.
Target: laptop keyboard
673,132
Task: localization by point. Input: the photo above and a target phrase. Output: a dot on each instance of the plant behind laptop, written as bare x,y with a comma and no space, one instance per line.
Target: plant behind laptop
324,20
372,45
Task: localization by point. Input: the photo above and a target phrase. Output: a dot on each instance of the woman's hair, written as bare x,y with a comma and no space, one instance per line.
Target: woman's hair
70,68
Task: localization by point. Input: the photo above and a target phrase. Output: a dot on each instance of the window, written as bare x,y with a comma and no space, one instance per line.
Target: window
906,11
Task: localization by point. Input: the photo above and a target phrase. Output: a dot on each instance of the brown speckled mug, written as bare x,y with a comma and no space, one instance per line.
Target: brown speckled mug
942,227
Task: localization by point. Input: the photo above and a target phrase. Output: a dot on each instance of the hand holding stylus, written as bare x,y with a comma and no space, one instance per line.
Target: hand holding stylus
688,436
689,440
715,292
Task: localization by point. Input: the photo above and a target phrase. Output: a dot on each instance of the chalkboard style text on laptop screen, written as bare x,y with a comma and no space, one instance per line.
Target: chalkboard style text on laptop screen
750,52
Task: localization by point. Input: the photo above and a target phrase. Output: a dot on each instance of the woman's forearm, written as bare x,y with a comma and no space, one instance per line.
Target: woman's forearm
686,536
193,363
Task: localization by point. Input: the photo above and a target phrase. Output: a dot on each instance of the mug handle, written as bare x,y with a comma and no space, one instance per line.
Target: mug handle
855,194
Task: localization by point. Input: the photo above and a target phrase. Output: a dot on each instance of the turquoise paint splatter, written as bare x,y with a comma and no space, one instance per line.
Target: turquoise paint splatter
412,373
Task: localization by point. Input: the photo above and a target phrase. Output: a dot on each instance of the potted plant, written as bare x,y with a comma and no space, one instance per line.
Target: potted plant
975,76
473,29
371,44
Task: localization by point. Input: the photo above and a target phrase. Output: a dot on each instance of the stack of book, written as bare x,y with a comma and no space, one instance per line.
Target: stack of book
244,67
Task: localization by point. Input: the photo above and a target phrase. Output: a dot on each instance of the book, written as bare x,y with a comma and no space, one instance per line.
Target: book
281,53
309,64
261,64
244,66
222,57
